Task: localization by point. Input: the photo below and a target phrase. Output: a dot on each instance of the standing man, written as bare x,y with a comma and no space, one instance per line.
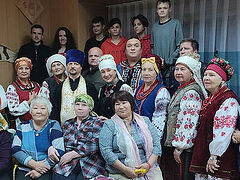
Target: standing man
38,53
92,73
73,85
130,69
98,25
166,37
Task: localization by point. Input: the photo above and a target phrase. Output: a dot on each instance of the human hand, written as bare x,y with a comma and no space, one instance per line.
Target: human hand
212,164
33,174
177,155
66,158
53,154
129,172
236,136
143,166
32,95
102,118
40,167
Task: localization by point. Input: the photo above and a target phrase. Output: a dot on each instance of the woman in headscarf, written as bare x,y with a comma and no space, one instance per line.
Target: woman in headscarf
215,155
182,120
114,82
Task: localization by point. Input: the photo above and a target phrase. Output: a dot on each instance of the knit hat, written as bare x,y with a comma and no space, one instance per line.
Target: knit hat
75,55
85,99
107,61
222,67
55,58
195,66
23,61
154,59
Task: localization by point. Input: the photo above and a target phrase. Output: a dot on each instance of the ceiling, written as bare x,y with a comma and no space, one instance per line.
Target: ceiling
108,2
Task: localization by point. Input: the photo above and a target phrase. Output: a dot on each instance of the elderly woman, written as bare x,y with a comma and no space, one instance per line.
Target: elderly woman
214,155
33,139
56,67
129,142
183,115
22,91
152,97
114,83
82,159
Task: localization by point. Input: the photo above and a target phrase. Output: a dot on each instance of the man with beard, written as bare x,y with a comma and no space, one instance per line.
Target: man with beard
73,85
38,53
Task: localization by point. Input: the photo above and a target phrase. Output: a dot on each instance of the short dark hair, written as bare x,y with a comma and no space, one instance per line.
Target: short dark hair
98,19
193,42
123,95
163,1
114,21
142,19
37,26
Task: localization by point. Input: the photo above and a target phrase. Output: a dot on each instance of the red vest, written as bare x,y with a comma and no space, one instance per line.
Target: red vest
201,154
23,93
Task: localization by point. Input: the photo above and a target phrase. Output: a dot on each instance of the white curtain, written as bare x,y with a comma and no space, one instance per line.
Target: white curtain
215,24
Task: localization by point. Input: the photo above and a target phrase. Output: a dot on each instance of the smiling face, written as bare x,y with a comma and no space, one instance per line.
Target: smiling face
123,109
133,49
62,38
74,69
163,10
23,72
57,68
149,74
82,110
212,81
138,26
109,75
182,74
39,112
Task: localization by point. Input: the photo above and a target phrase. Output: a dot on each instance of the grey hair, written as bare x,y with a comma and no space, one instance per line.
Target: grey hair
41,100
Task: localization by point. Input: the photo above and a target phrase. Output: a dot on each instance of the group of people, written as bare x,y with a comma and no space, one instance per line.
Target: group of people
142,108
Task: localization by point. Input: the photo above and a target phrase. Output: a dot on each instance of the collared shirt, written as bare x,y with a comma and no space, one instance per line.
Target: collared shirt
83,140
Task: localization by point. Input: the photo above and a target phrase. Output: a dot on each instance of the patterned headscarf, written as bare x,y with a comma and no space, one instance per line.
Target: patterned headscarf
85,99
23,61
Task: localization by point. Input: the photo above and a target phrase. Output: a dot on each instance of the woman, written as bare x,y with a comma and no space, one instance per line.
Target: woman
183,115
33,139
82,159
114,82
139,24
236,140
214,155
22,91
152,97
129,142
63,41
56,67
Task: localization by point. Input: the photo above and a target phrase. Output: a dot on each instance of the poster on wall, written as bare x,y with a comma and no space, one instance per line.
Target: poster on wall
31,9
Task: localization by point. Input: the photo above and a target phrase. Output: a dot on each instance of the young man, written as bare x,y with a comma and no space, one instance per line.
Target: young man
115,45
166,37
38,53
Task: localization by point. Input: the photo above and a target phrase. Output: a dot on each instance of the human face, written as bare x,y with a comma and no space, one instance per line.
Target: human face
37,35
93,57
182,74
115,30
62,38
57,68
133,49
212,81
74,69
39,112
138,26
97,28
109,75
82,110
186,47
149,74
123,109
23,72
163,10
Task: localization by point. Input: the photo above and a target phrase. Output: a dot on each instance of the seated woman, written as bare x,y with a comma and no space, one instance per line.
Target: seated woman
152,97
56,67
114,83
214,154
236,140
129,142
63,41
82,159
22,91
183,114
33,139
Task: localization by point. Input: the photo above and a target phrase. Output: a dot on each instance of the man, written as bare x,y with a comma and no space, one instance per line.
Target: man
165,41
130,69
73,85
38,53
92,73
115,45
98,25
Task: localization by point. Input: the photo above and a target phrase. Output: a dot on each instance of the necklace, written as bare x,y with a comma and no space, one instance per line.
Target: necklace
107,92
141,94
211,98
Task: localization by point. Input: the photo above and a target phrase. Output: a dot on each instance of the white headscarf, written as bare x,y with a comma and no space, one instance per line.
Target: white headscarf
107,61
55,58
195,67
